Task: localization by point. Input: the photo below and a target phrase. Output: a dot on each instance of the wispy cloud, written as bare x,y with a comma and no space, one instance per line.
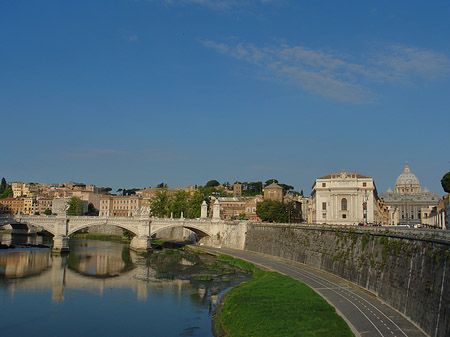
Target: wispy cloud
337,76
405,63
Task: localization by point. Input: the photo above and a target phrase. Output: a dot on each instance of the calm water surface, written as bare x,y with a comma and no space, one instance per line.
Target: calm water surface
104,289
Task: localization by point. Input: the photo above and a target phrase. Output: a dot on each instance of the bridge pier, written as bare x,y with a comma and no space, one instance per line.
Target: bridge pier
60,243
141,243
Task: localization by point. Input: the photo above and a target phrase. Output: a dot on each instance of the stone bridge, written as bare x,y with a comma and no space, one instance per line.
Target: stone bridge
142,226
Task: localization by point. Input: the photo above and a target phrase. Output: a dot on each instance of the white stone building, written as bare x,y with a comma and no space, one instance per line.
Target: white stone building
410,204
345,199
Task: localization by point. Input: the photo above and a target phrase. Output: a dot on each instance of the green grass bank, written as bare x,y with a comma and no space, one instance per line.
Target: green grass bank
273,305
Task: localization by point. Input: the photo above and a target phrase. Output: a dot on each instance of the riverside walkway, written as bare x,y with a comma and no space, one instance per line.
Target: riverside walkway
366,315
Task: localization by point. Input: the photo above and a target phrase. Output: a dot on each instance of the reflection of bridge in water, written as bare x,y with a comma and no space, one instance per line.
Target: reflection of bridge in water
141,225
40,270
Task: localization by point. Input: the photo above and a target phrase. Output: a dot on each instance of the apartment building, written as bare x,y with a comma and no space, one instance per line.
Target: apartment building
11,206
111,205
232,208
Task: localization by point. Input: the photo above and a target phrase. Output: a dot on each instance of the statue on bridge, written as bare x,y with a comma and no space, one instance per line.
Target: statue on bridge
143,212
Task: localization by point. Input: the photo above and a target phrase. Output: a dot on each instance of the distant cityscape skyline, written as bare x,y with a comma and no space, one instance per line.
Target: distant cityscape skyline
307,190
134,93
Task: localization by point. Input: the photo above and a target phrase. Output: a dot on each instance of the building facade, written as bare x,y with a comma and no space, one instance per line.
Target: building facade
273,192
232,208
11,205
408,202
344,198
122,206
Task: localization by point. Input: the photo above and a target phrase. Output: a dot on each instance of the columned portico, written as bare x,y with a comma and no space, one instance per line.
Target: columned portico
345,198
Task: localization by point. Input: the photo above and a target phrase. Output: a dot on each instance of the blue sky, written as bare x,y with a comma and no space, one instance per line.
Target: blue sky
130,93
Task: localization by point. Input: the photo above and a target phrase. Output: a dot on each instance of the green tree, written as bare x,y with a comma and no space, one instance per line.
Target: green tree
286,188
179,203
270,181
7,193
48,212
445,182
252,188
105,190
276,211
195,204
75,206
212,183
160,204
3,185
269,210
91,209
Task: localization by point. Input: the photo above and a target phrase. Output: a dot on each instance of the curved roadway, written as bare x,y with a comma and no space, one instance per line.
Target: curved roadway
365,314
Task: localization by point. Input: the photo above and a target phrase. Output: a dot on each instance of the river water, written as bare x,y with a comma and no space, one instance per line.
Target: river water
102,288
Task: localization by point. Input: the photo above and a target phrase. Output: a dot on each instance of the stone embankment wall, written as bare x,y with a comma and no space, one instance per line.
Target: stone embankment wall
411,274
230,234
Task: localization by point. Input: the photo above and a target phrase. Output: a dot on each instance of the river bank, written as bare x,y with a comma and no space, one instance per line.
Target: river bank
272,304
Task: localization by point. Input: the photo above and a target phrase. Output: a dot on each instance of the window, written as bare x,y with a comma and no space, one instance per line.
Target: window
324,206
344,204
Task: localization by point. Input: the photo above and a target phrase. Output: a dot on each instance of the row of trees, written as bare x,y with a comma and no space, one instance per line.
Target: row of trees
277,211
165,205
256,187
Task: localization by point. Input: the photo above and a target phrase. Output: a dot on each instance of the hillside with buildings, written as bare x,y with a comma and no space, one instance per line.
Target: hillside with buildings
337,198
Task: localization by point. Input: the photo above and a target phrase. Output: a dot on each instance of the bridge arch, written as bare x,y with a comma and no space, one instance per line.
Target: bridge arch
30,225
195,229
76,228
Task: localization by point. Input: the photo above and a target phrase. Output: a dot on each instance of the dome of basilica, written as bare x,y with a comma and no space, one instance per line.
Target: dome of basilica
407,182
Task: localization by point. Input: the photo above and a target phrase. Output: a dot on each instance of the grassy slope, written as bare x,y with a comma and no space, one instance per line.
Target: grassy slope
277,305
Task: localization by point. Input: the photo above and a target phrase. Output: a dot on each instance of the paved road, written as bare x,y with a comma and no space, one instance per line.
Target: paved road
364,312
